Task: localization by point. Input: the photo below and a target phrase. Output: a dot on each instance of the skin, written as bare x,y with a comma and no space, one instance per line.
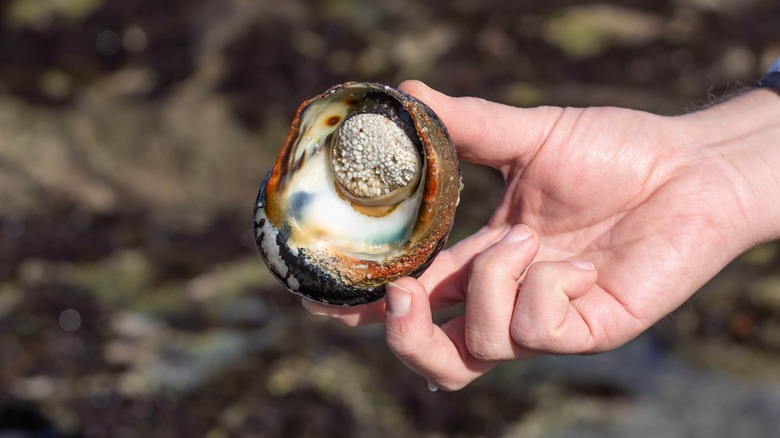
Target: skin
610,219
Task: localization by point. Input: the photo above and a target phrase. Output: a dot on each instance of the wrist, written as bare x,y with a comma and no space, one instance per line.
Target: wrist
742,137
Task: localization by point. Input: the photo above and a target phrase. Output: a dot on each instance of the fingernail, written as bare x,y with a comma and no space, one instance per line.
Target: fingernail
588,266
517,234
399,300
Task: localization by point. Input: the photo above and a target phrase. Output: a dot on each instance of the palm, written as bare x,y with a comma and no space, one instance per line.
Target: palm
617,198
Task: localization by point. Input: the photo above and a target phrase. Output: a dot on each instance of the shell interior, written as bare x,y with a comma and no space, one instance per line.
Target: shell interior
316,213
329,241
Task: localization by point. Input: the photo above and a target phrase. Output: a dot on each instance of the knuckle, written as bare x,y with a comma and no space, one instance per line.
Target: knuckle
521,337
486,264
484,351
535,338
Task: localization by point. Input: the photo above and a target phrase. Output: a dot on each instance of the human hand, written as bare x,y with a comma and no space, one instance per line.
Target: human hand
610,219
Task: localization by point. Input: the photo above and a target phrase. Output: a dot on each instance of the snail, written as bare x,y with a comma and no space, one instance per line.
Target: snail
363,192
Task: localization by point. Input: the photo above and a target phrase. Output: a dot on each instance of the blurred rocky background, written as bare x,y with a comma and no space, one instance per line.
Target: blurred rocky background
134,135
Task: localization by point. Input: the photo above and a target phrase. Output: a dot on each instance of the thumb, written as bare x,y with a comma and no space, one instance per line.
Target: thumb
486,132
436,353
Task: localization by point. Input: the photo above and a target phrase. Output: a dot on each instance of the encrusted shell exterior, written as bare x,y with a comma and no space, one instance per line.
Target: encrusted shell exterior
341,279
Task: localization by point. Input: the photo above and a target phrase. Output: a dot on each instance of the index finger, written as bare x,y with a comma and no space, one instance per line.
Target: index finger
439,354
486,132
